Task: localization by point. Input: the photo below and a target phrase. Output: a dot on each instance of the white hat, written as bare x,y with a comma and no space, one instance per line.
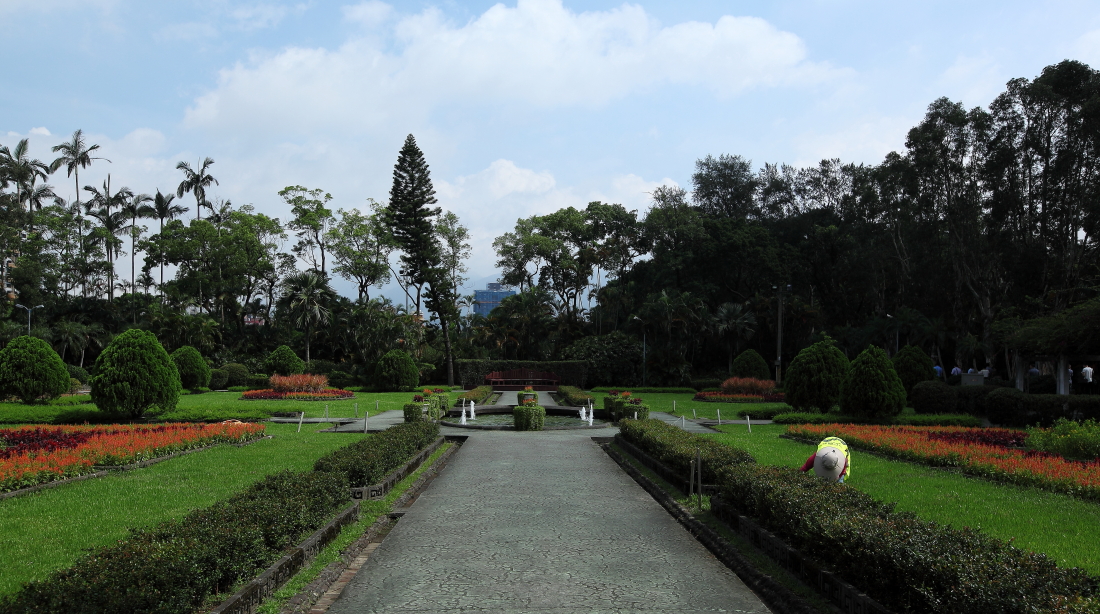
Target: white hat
829,463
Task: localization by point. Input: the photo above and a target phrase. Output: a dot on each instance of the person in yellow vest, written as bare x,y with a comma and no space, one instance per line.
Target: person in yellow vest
832,460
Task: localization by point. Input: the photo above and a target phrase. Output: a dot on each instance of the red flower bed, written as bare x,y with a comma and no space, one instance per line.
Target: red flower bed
748,386
328,394
36,454
969,450
303,382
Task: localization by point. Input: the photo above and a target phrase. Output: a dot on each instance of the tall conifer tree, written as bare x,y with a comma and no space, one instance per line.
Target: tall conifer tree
410,217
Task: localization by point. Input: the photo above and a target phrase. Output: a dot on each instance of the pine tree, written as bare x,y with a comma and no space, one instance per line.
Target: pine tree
410,217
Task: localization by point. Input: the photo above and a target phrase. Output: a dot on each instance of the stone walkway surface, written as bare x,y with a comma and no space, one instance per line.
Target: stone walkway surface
540,522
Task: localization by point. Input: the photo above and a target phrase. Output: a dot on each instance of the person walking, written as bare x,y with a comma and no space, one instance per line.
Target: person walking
1086,377
832,460
957,370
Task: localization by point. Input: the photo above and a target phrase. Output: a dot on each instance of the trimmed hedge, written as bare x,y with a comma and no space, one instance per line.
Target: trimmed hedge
675,447
701,385
472,372
478,395
529,417
905,563
259,381
911,419
172,567
238,374
78,373
648,390
134,373
368,460
871,387
575,396
218,379
762,413
1010,407
750,364
395,371
283,361
913,366
30,368
414,412
971,399
815,377
933,397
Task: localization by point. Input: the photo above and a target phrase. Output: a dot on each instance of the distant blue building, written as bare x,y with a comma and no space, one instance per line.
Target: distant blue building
487,300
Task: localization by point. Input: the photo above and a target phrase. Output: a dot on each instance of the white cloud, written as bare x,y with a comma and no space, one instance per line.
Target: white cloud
40,131
973,80
537,54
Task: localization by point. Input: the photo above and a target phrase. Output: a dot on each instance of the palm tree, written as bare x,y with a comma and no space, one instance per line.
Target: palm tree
163,209
112,223
25,172
75,155
196,182
306,297
68,334
736,321
137,205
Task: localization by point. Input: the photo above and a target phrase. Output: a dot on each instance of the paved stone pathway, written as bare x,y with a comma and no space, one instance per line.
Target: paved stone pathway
540,522
684,423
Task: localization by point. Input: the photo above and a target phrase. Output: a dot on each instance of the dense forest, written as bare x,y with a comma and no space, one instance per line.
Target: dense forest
986,220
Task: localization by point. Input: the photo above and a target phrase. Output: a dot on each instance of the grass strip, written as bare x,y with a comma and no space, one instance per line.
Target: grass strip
48,530
1058,525
662,401
369,512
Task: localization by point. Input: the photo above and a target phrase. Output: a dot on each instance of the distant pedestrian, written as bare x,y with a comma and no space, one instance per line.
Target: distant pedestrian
832,460
957,370
1033,371
1086,374
939,371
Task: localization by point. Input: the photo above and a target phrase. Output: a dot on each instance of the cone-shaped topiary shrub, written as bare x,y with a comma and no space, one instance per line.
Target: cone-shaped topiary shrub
395,371
283,361
872,388
815,377
238,374
29,369
193,370
751,364
134,373
913,366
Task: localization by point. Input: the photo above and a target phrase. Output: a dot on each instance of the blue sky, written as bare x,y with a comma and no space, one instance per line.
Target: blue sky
520,108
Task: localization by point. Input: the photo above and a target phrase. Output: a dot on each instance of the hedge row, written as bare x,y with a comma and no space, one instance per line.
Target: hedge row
172,567
367,461
910,419
904,563
575,396
478,395
640,390
1003,405
472,372
675,447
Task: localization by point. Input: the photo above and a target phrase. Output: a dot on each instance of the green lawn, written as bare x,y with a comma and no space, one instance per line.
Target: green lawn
47,530
662,401
1061,526
211,406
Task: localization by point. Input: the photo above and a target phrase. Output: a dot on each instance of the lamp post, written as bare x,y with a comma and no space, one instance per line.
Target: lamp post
779,336
30,310
643,349
896,333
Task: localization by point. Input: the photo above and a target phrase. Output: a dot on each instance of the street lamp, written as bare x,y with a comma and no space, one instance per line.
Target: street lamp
643,349
779,336
896,333
30,310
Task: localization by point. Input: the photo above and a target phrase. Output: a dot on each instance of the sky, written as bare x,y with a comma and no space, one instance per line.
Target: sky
520,108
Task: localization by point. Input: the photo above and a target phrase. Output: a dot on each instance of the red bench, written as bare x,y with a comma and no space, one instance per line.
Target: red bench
518,379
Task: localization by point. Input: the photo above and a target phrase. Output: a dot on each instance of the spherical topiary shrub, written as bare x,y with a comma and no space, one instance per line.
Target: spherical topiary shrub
194,372
134,373
283,361
238,374
872,389
913,366
78,373
29,369
815,377
395,371
933,397
218,378
751,364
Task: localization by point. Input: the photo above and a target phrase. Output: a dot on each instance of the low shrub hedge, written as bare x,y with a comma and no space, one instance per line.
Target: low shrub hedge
675,447
933,397
172,568
259,381
367,461
1010,407
971,399
575,396
703,384
414,412
905,563
478,395
529,417
911,419
762,413
649,390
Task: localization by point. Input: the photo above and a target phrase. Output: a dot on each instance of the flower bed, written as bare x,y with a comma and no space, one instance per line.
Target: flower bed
725,397
971,451
328,394
35,454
